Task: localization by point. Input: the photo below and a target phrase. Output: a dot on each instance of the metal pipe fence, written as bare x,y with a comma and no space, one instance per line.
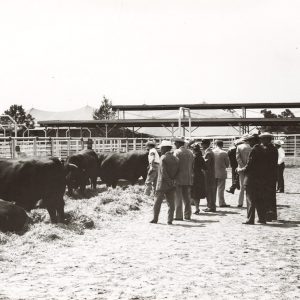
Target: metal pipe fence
63,147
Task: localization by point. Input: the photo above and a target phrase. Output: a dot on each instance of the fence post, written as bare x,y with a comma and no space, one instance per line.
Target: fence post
295,149
34,146
134,144
12,148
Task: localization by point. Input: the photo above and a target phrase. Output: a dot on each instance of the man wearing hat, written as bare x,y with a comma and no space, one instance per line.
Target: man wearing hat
271,161
242,154
255,181
153,159
221,164
165,188
280,166
184,179
210,181
235,182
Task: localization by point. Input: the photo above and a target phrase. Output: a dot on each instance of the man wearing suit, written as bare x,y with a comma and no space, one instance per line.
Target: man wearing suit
165,188
255,180
233,164
280,166
184,180
221,163
242,154
271,174
210,179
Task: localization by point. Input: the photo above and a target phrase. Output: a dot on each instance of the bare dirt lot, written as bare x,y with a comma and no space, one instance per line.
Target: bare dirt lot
213,256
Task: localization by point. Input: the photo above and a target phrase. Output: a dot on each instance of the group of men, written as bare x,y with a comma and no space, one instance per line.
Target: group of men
194,171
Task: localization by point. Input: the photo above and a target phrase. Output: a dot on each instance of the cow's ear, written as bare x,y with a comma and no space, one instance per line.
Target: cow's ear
70,167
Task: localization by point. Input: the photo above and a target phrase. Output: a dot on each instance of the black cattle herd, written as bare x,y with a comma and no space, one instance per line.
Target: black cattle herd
27,181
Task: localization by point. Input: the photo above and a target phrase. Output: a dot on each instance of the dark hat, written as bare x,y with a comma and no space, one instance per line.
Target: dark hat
205,141
266,134
196,147
150,143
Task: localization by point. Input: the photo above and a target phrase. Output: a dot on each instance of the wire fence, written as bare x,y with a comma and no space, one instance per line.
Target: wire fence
63,147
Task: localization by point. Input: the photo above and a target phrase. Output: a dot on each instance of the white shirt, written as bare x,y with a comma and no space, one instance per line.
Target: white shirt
153,156
281,156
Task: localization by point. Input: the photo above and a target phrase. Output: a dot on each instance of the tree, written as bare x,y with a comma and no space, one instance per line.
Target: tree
104,112
18,113
284,114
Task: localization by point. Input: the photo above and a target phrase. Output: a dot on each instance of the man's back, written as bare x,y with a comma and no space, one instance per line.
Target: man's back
167,171
242,154
221,163
185,170
255,170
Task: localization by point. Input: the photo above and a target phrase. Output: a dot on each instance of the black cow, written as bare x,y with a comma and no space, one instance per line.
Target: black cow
26,181
86,168
129,166
12,217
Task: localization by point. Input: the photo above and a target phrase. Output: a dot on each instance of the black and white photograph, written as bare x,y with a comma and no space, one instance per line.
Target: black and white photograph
149,149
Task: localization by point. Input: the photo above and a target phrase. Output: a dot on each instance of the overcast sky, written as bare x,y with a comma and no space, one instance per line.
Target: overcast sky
64,54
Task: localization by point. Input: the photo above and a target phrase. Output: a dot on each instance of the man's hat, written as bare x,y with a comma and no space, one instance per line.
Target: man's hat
266,134
238,142
150,143
279,142
179,139
206,141
196,147
165,143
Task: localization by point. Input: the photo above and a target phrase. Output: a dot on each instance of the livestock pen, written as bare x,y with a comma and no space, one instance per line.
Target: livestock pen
62,147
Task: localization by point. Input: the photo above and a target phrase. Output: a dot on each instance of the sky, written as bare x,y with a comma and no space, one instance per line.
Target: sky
64,54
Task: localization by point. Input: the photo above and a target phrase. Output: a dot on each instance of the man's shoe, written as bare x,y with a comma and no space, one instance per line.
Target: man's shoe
169,223
230,191
261,222
153,221
240,205
209,210
187,219
248,223
178,219
225,205
197,212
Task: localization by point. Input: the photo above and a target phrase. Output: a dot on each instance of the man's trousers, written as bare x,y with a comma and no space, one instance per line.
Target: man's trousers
242,188
255,201
280,178
183,194
159,197
151,180
219,189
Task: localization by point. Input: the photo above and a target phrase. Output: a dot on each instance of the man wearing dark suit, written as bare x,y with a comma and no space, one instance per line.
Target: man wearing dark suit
210,180
233,164
271,160
255,180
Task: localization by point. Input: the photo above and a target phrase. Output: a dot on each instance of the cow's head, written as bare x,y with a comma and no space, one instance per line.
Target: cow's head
74,175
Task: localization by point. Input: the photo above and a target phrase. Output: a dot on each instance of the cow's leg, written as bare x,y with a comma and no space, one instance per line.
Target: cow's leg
82,188
94,183
52,213
60,212
70,191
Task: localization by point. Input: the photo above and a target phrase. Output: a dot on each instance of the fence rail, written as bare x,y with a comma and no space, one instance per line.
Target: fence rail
63,147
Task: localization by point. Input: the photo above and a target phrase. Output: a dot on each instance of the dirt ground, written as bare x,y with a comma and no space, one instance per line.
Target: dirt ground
213,256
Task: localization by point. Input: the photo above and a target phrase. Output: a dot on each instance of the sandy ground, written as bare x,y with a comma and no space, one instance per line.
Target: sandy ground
213,256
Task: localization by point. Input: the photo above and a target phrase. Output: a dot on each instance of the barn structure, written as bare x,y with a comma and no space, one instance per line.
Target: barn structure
182,121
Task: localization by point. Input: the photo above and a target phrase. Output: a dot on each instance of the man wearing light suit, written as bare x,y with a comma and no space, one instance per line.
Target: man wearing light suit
242,155
221,163
184,180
